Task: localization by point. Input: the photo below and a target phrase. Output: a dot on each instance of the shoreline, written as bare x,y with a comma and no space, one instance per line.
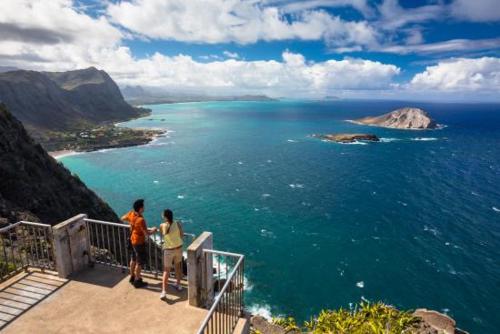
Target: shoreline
62,153
66,153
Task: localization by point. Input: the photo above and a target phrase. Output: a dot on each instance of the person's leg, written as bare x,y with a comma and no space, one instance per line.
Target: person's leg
178,266
138,269
166,274
132,268
178,272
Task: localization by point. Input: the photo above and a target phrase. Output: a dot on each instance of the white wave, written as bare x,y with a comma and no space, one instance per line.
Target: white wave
269,161
240,162
360,284
292,141
388,140
355,143
267,234
495,209
424,139
296,185
156,181
262,310
433,231
403,203
180,196
266,195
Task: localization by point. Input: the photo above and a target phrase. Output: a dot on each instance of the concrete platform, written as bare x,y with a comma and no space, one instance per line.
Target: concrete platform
98,300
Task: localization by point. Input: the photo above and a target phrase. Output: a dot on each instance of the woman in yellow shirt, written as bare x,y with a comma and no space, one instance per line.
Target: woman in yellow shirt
172,250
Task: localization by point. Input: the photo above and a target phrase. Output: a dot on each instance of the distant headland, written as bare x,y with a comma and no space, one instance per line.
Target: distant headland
404,118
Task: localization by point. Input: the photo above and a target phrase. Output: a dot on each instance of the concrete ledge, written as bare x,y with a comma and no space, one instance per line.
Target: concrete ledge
200,277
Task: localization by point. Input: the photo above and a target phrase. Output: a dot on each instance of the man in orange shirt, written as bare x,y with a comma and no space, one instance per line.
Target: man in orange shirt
138,233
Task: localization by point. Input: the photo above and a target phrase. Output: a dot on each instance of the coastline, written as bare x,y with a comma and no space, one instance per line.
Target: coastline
66,153
61,154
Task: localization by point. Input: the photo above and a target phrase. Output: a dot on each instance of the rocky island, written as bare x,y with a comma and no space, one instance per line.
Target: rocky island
404,118
347,137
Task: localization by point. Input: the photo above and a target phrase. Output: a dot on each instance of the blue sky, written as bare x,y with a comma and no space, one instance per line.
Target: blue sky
434,49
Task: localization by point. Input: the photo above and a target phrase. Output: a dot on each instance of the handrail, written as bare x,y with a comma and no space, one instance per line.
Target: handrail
104,222
222,293
109,245
28,245
34,224
9,227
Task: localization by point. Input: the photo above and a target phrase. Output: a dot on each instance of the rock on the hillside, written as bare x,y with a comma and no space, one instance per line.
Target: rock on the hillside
260,324
435,322
404,118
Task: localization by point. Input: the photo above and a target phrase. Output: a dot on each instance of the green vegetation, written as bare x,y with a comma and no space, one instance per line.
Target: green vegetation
366,318
287,323
101,137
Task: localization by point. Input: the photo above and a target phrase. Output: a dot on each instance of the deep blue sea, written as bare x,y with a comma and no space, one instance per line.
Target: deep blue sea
413,221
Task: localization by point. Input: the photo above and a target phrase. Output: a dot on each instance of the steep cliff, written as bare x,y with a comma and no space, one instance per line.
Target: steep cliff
64,101
33,186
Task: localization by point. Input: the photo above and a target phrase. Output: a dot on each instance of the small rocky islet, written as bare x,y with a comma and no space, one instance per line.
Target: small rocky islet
345,138
407,118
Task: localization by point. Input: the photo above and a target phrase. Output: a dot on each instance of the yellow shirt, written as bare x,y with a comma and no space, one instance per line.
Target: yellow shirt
173,238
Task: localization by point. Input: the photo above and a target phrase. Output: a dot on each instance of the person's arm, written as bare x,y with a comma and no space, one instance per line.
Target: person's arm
125,217
147,230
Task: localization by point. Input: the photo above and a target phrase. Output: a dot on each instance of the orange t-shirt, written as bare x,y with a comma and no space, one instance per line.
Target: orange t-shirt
137,227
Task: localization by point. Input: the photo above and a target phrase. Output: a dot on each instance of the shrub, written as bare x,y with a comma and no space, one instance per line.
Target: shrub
376,318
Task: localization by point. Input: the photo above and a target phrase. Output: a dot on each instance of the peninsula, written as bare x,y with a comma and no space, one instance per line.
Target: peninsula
73,110
404,118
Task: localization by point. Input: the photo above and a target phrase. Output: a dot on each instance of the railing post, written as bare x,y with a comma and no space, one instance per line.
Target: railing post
71,247
200,275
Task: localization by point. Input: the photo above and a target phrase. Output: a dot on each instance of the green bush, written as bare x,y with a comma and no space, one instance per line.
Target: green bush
376,318
287,323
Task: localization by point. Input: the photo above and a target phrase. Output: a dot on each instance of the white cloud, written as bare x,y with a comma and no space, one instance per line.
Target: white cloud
296,6
476,10
293,76
394,16
454,45
230,54
222,21
480,74
26,19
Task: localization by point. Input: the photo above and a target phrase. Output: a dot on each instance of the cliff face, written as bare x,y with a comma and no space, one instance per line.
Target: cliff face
33,186
61,101
404,118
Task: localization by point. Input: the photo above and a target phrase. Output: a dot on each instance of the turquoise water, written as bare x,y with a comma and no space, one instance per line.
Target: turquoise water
413,220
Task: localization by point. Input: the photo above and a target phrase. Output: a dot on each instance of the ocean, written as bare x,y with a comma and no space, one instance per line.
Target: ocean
413,220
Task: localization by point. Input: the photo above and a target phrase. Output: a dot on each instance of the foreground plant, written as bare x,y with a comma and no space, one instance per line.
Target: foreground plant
376,318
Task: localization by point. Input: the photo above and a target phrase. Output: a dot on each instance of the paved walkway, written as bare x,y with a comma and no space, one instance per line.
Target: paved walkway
98,300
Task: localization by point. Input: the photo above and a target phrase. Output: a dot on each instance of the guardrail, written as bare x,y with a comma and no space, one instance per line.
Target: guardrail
109,245
227,306
25,244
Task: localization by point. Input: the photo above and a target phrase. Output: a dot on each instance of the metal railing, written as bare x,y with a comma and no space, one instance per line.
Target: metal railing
109,245
227,306
25,244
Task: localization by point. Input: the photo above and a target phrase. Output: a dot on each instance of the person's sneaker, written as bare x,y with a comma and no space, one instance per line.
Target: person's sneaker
140,283
178,287
163,295
131,280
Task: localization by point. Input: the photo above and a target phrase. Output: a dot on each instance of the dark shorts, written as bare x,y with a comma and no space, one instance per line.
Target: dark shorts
139,254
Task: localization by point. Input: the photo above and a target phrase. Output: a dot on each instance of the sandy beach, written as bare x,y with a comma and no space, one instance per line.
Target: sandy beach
61,154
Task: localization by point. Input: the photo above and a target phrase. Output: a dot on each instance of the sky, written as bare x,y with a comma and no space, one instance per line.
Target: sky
445,50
